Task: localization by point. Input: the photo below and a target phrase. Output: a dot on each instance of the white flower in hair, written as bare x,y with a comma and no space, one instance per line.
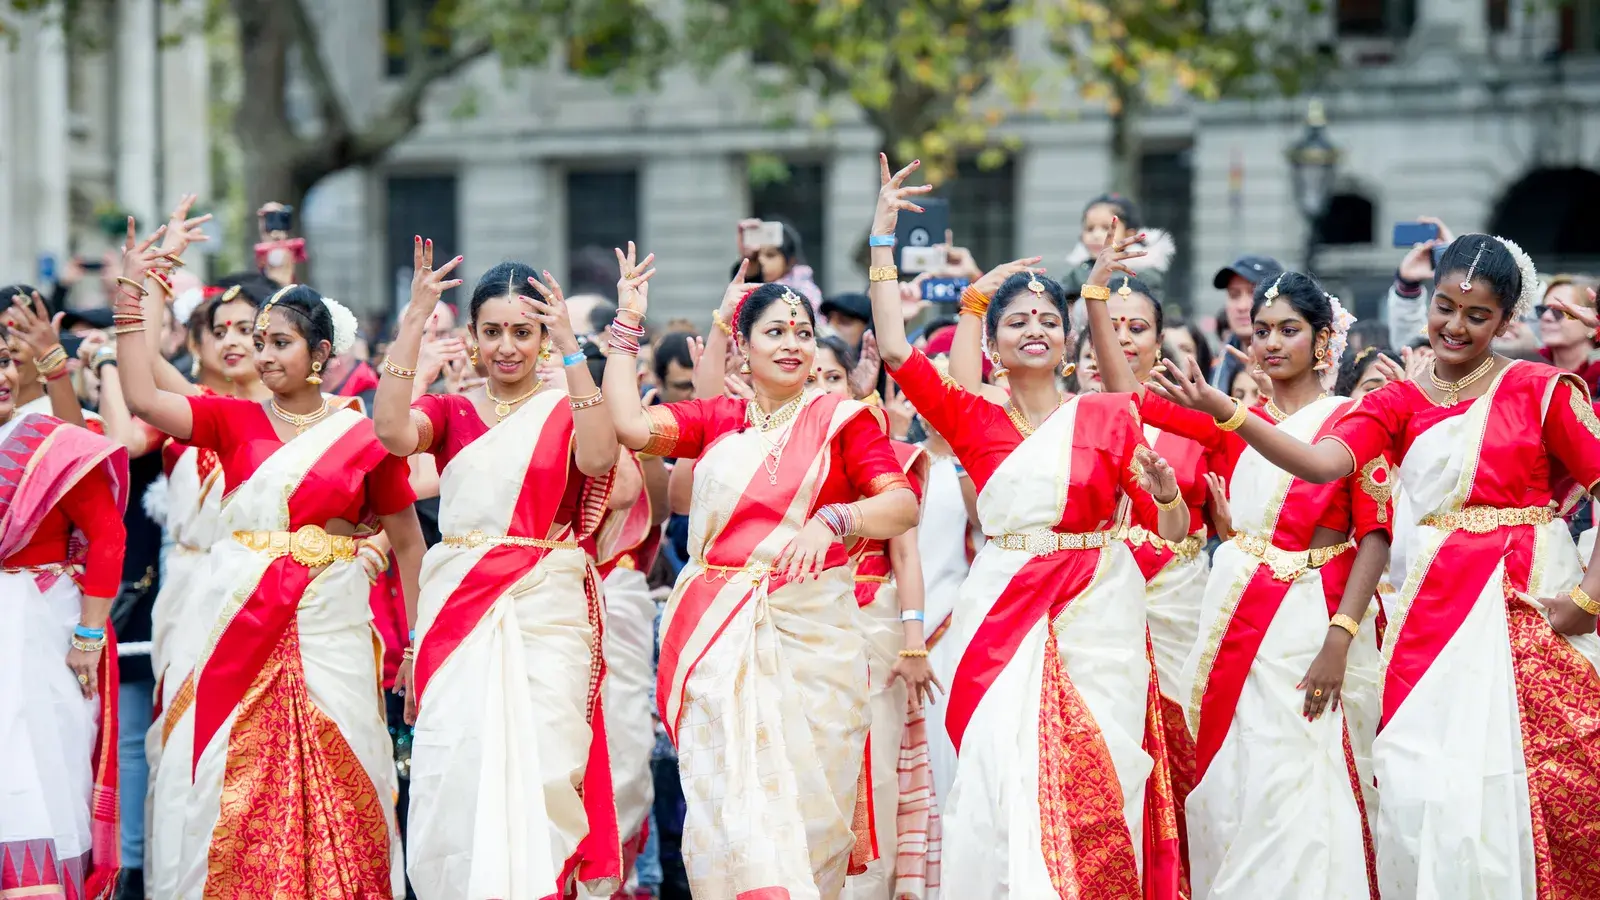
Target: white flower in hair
1338,340
1530,279
186,304
344,326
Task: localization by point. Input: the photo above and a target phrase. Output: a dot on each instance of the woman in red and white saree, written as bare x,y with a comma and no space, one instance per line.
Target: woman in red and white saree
510,786
292,765
1277,806
1061,786
762,683
1486,751
62,492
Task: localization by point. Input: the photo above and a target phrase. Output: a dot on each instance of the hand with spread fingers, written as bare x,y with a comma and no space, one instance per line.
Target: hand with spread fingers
633,286
992,279
34,326
549,309
1187,387
1113,258
920,681
139,257
427,283
183,231
1584,314
895,195
1389,369
805,556
1156,475
1252,368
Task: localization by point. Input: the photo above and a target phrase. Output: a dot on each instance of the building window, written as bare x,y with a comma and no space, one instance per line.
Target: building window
1375,18
794,201
1579,28
432,28
1349,220
983,211
1166,187
602,214
418,204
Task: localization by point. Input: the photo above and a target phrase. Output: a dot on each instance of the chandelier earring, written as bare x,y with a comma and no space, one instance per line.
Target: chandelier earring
999,370
472,355
1322,359
1067,369
315,378
544,352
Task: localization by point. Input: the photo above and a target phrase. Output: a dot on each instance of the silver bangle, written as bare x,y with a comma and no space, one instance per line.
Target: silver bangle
912,615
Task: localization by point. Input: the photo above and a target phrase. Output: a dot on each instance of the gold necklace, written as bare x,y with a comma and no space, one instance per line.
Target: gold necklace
300,423
1453,389
778,418
502,408
1279,415
1024,427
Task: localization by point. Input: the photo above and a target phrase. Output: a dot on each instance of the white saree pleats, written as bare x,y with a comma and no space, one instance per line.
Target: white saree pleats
1274,814
501,739
880,624
1172,610
942,543
630,684
991,822
48,727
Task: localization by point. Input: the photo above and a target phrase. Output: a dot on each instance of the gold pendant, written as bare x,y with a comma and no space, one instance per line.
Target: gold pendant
502,409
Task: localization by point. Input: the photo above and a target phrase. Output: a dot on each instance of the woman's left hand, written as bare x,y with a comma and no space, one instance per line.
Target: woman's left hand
182,230
85,666
551,314
804,557
1584,314
1156,475
917,673
1187,387
1221,512
35,326
1114,257
1566,617
1325,677
864,377
992,279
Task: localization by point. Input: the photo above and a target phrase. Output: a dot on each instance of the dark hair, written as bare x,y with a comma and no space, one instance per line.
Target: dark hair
672,348
256,287
1353,364
754,305
592,270
1018,284
1202,346
840,350
307,312
594,356
501,281
204,317
1302,292
1125,210
1139,287
1496,267
601,316
9,295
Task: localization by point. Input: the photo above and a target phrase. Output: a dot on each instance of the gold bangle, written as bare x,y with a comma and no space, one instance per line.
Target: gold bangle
397,371
1169,505
1584,601
974,302
1234,421
129,282
1095,292
1343,621
594,399
908,653
721,323
883,273
160,282
127,329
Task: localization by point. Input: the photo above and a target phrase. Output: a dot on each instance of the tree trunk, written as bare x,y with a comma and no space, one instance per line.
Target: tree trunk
1126,150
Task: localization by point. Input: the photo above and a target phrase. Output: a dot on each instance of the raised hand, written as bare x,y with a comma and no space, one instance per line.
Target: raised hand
1585,315
138,257
1114,256
992,279
633,287
1253,369
734,294
1417,362
1417,266
864,376
427,283
182,230
1389,369
34,326
1187,387
894,195
738,388
550,311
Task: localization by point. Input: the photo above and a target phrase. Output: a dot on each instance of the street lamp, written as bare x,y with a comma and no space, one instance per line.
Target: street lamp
1313,160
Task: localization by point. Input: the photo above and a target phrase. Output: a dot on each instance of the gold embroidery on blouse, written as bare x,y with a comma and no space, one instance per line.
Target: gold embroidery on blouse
1584,413
1379,490
888,481
424,426
663,431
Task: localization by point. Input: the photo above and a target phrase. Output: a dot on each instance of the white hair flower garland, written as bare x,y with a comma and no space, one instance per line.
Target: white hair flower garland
1530,279
344,326
186,304
1338,340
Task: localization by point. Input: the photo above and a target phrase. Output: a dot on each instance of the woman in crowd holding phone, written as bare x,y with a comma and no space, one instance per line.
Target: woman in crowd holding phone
1487,747
776,257
510,782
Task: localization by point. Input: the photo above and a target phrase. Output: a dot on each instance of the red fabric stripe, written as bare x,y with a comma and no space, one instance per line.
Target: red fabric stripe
766,893
1165,860
105,812
541,495
599,854
1259,603
1044,585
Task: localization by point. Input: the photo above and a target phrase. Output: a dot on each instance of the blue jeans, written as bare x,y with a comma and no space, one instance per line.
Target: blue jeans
135,710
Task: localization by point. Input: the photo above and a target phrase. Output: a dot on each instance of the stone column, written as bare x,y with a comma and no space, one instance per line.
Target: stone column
137,126
49,215
184,140
1450,28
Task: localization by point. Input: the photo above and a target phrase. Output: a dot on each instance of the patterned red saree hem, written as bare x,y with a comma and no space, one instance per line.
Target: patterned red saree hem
1166,873
299,816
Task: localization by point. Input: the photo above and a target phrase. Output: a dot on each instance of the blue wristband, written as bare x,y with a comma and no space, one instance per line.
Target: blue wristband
911,615
880,240
573,359
89,634
413,635
961,471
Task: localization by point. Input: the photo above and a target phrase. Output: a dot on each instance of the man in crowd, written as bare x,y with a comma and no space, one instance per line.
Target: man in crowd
1239,279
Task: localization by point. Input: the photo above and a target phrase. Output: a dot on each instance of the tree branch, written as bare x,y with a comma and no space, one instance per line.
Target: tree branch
335,121
404,111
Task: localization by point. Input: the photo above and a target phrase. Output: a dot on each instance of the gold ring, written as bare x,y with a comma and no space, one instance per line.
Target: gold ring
1317,692
83,679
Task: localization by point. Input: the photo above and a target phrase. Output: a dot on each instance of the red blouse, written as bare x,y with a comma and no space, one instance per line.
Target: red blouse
453,423
862,461
243,437
92,508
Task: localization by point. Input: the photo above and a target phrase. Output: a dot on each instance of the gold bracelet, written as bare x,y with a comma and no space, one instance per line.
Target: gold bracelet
52,361
1095,292
883,273
594,399
138,288
127,329
397,371
908,653
1343,621
1584,601
721,323
160,281
1169,505
1234,421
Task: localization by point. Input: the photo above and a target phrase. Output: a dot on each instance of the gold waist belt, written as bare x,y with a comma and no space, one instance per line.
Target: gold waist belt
1042,543
1288,565
310,545
871,579
472,540
1188,548
1484,519
59,569
754,570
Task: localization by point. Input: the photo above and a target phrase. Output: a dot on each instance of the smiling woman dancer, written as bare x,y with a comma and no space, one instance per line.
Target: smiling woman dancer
763,681
510,788
293,769
1051,705
1488,746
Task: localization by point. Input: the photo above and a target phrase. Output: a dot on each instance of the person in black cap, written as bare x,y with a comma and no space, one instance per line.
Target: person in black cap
849,315
1239,278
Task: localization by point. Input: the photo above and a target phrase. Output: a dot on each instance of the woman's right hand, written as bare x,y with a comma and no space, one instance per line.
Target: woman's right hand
85,666
427,283
1221,512
1187,387
1326,676
734,294
1584,314
1252,368
633,285
139,257
894,195
992,279
1114,256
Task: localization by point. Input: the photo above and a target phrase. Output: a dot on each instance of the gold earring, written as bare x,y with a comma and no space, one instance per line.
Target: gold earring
999,370
1067,369
1322,362
544,353
315,378
472,354
744,367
